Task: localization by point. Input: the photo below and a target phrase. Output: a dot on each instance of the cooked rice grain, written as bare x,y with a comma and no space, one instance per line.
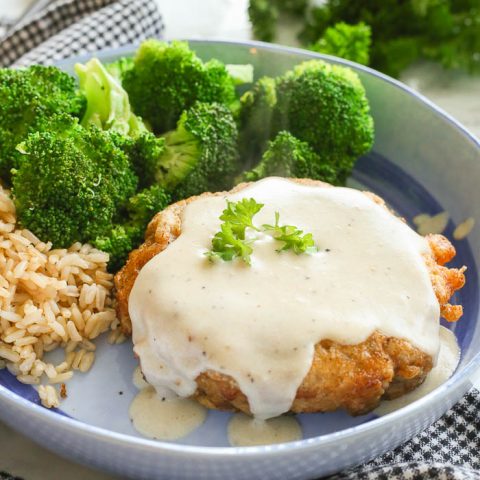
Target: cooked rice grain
48,396
50,299
87,362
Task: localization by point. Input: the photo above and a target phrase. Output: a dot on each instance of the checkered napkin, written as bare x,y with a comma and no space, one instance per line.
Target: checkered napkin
64,28
449,449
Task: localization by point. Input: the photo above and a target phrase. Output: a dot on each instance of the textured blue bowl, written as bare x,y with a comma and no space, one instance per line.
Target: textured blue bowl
423,162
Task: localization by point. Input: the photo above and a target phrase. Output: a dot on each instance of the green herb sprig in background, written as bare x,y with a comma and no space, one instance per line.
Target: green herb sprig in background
402,31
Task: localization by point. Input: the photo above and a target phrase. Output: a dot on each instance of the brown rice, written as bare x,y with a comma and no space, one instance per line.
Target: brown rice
50,298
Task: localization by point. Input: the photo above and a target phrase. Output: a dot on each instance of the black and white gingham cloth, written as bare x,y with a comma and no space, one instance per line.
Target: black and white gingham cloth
450,448
65,28
447,450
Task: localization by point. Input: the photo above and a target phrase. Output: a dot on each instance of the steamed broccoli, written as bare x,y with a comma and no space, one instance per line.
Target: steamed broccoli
286,156
255,118
198,156
145,204
167,79
326,106
118,242
145,153
120,67
318,103
128,234
108,106
70,182
28,98
201,154
351,42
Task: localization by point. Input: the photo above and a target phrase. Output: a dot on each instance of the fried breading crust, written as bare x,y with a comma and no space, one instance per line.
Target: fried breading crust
352,377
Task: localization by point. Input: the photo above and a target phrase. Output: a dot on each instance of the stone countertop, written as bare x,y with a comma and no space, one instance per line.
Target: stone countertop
455,92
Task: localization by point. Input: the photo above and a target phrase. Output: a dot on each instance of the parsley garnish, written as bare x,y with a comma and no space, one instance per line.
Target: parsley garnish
227,246
230,242
291,236
239,215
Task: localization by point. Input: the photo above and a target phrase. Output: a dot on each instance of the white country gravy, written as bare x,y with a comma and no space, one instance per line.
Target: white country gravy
164,418
245,431
260,323
138,380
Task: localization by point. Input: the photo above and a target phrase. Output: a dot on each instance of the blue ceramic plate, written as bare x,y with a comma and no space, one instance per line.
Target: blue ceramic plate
423,161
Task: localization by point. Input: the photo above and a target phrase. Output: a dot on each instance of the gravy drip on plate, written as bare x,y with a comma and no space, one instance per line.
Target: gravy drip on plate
164,418
447,361
138,379
260,323
244,431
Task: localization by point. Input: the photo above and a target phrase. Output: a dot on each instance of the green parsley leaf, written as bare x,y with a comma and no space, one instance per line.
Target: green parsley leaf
291,236
229,242
240,215
227,246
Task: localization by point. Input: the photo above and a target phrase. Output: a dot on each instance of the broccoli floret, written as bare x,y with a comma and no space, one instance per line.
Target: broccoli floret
108,106
28,99
256,113
320,104
128,234
145,204
326,106
286,156
201,154
119,68
351,42
118,243
168,78
145,153
70,182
